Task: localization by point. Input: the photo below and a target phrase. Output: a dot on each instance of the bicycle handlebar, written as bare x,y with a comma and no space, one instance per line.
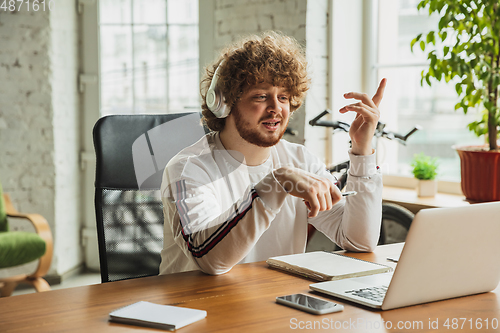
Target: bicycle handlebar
400,138
328,123
313,121
380,131
333,124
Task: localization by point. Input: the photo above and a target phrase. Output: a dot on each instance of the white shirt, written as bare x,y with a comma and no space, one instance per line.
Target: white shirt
220,212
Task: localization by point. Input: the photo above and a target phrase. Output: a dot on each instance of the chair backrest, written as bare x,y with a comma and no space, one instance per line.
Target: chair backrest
131,154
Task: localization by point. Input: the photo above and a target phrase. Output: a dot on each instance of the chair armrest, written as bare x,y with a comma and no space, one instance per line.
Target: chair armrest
42,229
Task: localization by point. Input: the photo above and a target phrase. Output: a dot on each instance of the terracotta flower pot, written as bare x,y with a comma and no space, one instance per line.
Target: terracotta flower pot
480,171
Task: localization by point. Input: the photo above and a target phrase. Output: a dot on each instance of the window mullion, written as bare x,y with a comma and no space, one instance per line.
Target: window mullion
167,58
132,24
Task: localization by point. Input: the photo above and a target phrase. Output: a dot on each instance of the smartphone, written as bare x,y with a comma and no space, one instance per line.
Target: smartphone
349,193
309,304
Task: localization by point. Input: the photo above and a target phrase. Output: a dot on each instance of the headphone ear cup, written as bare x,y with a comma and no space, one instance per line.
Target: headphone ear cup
214,98
215,103
223,110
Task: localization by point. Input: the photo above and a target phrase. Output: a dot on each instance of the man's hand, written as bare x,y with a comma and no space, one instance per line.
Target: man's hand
319,193
364,125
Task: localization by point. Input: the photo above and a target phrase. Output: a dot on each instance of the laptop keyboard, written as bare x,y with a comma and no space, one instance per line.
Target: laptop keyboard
376,294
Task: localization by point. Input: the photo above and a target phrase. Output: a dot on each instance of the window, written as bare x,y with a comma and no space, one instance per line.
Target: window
148,56
145,54
407,103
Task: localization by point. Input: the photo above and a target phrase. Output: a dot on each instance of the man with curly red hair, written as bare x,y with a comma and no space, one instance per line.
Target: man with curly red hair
243,194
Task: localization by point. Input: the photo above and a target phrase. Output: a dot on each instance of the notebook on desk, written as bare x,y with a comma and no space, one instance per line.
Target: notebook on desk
159,316
326,266
449,252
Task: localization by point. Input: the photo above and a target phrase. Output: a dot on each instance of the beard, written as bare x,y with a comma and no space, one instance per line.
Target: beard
254,135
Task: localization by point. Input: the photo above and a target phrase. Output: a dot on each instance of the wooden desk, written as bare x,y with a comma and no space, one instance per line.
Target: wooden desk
242,300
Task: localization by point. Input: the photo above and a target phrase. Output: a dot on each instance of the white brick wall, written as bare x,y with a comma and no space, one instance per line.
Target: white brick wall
235,18
39,135
26,141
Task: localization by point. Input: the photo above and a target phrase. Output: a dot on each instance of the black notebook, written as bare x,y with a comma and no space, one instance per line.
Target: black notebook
326,266
164,317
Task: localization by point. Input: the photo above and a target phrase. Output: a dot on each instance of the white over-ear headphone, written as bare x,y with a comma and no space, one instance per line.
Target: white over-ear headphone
214,98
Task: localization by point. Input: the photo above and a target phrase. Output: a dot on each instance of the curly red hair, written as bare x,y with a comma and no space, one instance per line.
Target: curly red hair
272,57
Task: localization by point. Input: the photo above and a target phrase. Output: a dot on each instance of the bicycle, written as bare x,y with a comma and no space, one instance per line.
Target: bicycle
396,220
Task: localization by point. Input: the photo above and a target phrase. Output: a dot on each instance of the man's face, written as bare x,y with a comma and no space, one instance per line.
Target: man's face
261,114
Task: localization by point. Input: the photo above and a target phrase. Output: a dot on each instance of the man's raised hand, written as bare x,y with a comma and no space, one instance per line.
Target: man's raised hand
367,116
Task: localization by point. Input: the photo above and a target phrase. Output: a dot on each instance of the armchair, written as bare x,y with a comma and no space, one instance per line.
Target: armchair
18,248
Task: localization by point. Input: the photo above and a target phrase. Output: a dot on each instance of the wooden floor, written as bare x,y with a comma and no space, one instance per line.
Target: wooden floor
82,279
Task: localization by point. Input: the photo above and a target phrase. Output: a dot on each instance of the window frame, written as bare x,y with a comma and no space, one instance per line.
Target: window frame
394,180
132,27
90,92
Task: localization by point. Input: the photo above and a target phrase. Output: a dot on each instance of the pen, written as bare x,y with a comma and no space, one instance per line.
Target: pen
349,193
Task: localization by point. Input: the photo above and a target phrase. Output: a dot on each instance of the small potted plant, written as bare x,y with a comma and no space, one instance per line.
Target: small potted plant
425,170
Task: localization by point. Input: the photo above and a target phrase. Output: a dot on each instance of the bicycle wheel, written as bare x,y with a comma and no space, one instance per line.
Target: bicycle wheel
396,221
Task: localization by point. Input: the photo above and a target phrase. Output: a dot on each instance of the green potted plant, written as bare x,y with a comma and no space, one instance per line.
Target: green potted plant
425,170
465,49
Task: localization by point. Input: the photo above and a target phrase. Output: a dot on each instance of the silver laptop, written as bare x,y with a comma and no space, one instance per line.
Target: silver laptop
449,252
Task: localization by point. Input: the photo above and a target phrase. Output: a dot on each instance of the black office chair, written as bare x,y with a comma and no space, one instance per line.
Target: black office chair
131,154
